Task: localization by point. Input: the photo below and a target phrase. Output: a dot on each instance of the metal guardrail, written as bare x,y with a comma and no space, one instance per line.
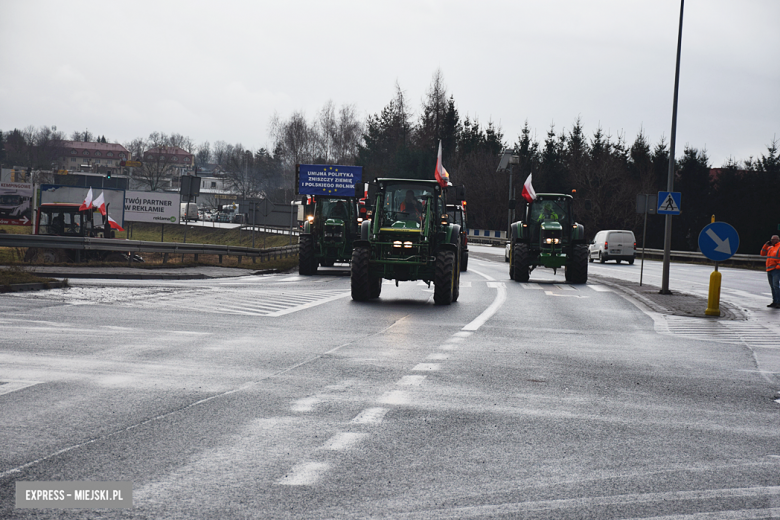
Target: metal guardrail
696,256
139,246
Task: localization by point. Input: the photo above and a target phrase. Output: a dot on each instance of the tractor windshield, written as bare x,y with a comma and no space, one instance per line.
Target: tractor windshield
555,210
61,221
335,208
405,205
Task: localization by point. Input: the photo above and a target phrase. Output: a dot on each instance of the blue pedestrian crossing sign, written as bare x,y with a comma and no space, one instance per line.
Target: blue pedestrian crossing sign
718,241
668,203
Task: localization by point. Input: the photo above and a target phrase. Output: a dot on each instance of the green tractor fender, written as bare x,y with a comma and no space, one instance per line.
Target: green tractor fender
519,232
451,240
365,234
578,234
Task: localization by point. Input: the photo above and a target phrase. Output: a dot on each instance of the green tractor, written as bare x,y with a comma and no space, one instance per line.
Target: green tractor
330,227
409,237
549,237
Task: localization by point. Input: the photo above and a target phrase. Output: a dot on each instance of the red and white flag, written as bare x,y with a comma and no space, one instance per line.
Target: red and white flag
528,190
441,174
114,225
87,204
100,204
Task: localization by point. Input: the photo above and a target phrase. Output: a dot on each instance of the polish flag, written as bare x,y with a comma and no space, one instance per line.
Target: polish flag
441,173
87,204
528,190
114,225
100,204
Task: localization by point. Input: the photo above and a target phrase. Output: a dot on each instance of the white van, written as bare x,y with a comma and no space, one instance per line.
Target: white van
189,211
613,244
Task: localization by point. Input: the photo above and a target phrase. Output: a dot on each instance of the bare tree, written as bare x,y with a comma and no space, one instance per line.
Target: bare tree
158,165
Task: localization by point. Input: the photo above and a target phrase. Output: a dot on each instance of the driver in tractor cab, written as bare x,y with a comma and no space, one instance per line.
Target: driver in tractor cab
58,224
339,211
411,206
548,213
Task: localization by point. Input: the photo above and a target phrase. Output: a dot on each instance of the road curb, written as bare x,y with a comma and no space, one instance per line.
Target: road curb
25,287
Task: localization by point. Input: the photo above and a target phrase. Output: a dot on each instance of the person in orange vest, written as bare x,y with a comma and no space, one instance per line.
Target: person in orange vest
411,206
771,251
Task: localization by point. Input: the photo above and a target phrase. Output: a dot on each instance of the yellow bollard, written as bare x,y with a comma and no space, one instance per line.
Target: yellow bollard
713,300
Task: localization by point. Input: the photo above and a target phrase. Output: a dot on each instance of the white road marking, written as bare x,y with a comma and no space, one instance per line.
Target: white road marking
305,405
600,288
411,380
394,397
6,387
426,367
490,311
306,474
553,293
344,441
564,287
530,286
371,416
463,334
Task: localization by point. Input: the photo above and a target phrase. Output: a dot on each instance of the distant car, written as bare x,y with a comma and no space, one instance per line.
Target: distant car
613,244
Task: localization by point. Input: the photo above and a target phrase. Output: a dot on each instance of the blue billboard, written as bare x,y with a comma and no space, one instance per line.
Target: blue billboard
328,179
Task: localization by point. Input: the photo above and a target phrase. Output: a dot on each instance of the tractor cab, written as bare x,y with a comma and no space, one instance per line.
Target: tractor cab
409,206
66,220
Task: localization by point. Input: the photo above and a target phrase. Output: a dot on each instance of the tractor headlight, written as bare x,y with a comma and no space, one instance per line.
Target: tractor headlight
553,241
408,245
397,243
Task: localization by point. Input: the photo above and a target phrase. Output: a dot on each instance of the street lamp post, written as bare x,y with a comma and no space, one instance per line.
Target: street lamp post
508,159
670,177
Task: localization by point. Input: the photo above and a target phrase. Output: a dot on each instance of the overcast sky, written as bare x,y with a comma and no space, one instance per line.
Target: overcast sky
220,70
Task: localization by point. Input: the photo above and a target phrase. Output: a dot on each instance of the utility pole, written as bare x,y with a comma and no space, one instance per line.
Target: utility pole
670,177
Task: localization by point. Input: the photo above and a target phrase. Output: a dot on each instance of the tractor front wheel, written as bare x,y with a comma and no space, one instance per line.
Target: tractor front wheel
359,280
577,266
444,281
518,266
307,264
374,287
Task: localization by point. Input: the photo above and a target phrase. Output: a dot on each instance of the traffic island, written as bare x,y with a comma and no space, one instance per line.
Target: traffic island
18,280
675,304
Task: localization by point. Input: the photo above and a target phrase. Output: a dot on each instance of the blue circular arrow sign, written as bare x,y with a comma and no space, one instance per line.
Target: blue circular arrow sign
718,241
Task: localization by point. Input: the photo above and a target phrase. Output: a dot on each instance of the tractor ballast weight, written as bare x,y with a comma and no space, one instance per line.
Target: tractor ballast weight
548,237
330,227
409,237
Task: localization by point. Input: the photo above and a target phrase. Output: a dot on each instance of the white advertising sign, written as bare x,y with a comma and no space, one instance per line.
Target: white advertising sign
152,206
15,203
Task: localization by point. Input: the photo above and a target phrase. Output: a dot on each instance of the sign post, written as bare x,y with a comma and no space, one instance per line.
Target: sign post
718,241
645,203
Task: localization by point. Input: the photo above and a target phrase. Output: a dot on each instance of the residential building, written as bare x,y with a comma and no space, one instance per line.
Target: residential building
93,157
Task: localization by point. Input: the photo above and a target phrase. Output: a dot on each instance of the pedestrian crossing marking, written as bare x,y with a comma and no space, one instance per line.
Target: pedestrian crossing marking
252,302
751,334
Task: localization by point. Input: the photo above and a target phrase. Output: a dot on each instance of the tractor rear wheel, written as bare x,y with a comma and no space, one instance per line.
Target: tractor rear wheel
444,278
518,267
464,261
359,280
577,266
307,264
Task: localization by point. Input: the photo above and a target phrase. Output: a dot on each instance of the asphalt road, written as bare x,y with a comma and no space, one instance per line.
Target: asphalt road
279,397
